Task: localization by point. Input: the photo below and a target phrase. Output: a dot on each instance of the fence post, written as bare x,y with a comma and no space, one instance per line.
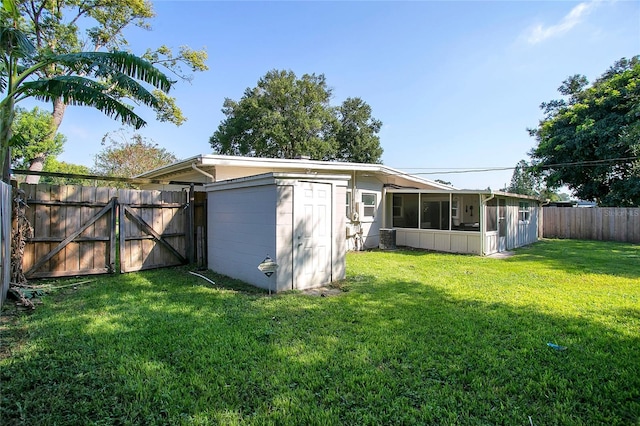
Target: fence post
6,204
190,221
112,234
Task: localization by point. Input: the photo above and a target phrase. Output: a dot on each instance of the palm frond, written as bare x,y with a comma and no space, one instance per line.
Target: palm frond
115,62
15,42
128,86
81,91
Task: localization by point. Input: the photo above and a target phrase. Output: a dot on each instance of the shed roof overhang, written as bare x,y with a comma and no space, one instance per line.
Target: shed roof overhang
274,179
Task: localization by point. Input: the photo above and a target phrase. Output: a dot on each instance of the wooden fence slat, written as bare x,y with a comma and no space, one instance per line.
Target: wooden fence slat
5,239
597,223
42,224
75,216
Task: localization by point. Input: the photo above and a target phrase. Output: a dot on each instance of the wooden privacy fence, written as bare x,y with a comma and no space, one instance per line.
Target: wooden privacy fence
81,230
598,223
5,240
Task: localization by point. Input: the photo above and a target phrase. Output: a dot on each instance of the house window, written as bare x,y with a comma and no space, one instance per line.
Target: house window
405,210
524,211
369,204
397,206
348,204
435,212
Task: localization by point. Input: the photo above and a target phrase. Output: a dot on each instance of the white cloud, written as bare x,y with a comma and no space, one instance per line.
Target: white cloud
541,32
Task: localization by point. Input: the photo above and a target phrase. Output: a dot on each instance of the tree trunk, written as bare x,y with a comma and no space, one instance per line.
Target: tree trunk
37,163
6,118
59,107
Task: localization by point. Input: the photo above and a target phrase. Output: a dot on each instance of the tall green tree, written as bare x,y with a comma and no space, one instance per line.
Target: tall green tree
590,139
35,129
71,26
523,180
53,165
357,134
21,78
286,117
127,155
282,117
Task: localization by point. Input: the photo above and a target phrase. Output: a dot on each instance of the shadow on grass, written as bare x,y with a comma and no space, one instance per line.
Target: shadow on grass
160,348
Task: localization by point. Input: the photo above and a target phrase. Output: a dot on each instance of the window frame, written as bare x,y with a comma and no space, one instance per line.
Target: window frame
455,212
397,203
524,211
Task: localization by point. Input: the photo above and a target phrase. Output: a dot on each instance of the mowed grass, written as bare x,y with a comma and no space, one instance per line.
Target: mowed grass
414,338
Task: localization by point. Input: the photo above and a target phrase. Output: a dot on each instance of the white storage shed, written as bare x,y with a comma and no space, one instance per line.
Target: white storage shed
296,220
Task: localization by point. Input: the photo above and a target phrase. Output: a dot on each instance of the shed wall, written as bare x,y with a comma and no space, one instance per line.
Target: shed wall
241,232
521,233
339,229
284,237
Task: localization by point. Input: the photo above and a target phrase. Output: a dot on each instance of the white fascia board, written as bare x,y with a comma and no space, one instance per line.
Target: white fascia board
274,179
295,164
236,161
178,166
224,160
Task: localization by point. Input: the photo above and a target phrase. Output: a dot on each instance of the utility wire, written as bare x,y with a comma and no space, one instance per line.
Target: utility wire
454,170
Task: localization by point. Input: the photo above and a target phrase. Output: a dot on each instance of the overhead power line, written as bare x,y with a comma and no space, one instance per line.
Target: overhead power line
456,170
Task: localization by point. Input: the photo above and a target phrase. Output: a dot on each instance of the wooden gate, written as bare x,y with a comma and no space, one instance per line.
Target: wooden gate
78,230
153,227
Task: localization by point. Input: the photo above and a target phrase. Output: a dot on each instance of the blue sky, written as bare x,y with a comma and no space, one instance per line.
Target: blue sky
456,84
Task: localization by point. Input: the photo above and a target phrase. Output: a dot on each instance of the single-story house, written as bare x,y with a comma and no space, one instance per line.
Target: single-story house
380,197
257,197
363,198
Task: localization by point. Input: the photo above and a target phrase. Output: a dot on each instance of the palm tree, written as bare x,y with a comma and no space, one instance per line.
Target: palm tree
116,72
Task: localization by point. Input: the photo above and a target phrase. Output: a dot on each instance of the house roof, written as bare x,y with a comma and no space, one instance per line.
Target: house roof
465,191
298,165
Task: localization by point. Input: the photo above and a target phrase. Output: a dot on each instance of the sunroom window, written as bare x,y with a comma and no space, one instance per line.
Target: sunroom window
405,210
435,212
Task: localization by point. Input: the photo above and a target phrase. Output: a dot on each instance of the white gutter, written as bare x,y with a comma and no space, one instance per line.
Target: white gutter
210,176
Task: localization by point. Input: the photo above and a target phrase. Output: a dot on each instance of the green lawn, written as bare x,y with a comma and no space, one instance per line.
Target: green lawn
414,338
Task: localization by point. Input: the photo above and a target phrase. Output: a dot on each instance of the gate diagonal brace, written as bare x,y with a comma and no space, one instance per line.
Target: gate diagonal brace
71,237
147,228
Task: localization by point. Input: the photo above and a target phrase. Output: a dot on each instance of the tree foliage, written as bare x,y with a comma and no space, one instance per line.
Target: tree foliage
35,130
286,117
71,26
523,180
53,165
21,77
357,134
590,140
129,156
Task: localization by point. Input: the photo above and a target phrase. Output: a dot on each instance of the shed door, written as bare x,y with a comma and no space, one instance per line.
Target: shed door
312,235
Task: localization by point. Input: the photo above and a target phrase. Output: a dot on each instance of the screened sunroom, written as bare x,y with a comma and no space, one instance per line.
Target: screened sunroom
475,222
